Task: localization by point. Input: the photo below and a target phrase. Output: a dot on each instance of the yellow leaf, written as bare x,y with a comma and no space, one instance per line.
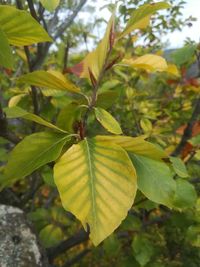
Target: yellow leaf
148,62
137,145
97,183
140,17
172,69
95,60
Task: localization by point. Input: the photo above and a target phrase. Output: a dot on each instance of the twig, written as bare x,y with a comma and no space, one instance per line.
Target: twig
77,258
71,242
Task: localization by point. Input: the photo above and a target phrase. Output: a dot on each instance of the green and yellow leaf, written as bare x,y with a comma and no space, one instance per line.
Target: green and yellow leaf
50,80
33,152
107,121
17,112
6,58
140,17
97,183
137,145
95,60
20,27
50,5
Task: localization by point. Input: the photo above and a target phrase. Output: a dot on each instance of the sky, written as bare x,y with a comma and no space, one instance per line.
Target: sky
175,39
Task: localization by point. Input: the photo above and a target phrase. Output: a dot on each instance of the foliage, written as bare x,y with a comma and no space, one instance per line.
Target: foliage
112,131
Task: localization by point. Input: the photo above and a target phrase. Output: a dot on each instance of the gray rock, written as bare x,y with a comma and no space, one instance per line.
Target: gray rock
18,244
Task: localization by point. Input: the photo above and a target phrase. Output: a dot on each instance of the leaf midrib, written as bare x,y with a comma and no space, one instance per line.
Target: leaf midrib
91,181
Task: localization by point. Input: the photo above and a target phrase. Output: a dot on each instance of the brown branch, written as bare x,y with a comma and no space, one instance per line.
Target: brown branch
188,130
71,242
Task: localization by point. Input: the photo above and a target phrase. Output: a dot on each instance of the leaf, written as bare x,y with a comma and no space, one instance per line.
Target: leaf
146,125
95,60
51,235
17,112
172,69
193,235
107,121
137,145
107,99
154,179
6,58
179,167
97,183
50,5
195,141
185,196
68,116
142,249
15,100
49,79
20,27
33,152
140,17
183,55
148,62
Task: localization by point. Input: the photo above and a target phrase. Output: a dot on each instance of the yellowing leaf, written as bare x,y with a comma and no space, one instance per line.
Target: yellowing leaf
137,145
15,100
20,27
6,58
148,62
95,60
50,5
140,17
172,69
49,79
97,183
17,112
107,121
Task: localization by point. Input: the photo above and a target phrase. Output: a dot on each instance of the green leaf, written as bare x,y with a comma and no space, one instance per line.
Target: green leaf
183,55
140,17
17,112
112,245
68,116
20,27
193,235
33,152
97,183
195,141
185,196
107,121
50,5
6,58
179,167
137,145
142,249
154,179
49,79
107,99
51,235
